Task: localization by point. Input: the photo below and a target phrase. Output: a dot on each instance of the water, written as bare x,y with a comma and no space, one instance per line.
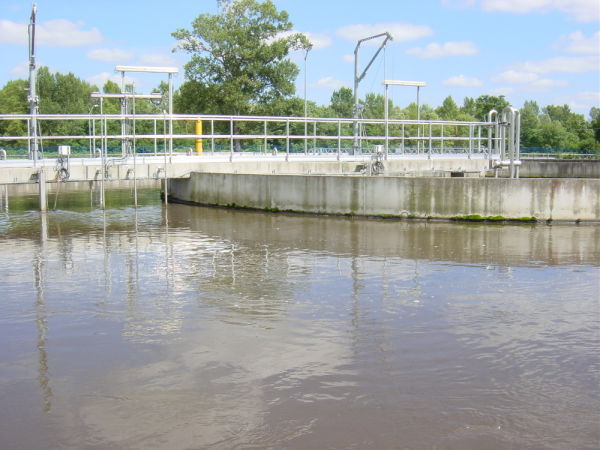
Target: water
194,328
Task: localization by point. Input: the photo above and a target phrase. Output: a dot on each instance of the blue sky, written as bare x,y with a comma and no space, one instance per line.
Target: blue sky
543,50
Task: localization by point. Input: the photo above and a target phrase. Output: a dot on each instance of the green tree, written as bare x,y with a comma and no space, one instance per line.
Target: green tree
530,123
241,54
13,100
595,122
468,107
448,110
485,103
342,102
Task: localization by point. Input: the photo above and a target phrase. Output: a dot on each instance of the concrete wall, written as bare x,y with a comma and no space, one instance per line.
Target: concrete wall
33,188
392,166
544,199
149,167
560,168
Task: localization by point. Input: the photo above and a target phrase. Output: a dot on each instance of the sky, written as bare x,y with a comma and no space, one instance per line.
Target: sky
542,50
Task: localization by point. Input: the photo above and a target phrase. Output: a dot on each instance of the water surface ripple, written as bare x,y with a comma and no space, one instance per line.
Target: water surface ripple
189,327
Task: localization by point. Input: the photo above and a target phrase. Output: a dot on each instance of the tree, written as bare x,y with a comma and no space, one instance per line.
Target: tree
240,56
13,100
448,110
530,123
595,123
485,103
342,102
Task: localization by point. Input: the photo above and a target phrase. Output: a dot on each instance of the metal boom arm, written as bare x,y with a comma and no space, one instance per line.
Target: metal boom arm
358,78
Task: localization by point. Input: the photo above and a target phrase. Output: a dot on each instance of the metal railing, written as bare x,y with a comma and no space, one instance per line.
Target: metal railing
267,134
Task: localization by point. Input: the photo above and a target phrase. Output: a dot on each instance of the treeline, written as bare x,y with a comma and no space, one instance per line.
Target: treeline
549,127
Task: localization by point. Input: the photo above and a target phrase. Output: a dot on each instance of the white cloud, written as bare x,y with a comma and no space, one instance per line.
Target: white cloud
496,92
329,83
318,40
581,10
55,33
515,77
401,32
458,3
20,70
103,77
544,84
109,55
577,43
530,81
582,101
589,96
435,50
349,58
462,81
157,59
565,64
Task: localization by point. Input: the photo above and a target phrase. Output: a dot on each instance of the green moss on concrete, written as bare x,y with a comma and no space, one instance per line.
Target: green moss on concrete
478,218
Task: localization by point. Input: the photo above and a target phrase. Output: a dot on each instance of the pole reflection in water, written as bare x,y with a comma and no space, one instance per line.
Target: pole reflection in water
41,318
196,328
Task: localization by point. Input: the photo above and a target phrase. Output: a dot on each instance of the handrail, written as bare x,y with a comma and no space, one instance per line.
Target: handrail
398,131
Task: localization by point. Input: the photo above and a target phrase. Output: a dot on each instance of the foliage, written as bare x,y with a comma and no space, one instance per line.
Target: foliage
13,100
481,106
240,56
548,127
342,102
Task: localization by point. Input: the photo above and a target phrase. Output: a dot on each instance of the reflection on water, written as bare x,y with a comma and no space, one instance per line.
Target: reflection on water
189,327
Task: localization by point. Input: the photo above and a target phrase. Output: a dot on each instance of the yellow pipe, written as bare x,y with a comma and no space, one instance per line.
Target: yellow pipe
198,130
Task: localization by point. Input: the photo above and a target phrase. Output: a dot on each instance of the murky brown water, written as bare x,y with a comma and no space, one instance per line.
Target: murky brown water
200,328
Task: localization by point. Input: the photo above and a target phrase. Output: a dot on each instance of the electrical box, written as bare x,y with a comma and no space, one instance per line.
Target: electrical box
64,150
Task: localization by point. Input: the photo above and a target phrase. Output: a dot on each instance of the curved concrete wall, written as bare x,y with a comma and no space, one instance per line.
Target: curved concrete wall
560,168
544,199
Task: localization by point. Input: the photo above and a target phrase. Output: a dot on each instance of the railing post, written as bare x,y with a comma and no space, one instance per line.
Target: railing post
402,141
265,136
339,148
212,139
470,140
287,139
230,139
430,139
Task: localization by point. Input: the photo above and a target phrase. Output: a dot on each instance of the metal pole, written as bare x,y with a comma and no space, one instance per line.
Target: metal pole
123,112
386,114
42,190
165,178
287,139
418,122
355,123
430,142
170,114
104,151
231,139
155,143
265,136
32,97
305,106
339,149
212,139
